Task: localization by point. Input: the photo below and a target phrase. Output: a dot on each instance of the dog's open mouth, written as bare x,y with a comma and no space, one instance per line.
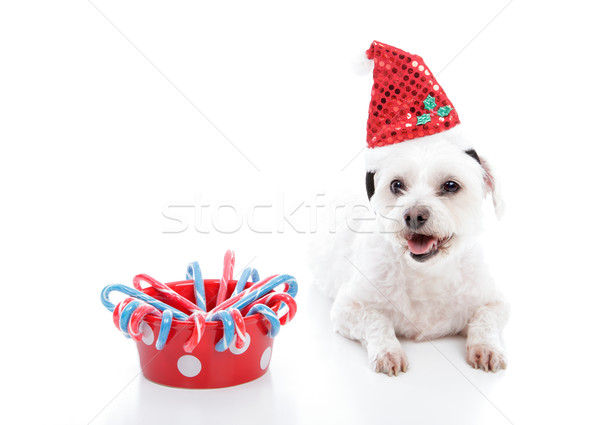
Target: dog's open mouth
423,247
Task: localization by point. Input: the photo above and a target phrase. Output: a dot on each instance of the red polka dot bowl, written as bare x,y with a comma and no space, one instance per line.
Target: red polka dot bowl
204,367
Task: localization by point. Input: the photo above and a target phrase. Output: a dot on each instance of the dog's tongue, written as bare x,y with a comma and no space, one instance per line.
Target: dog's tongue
420,244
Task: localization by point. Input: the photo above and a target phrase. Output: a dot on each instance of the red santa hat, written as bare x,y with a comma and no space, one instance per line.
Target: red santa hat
407,102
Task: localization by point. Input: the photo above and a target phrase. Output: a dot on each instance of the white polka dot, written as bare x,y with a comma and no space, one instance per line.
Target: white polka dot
415,63
421,67
436,87
426,72
147,334
265,359
189,366
235,350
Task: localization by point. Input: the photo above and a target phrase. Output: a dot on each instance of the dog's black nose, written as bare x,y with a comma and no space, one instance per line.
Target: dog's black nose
416,217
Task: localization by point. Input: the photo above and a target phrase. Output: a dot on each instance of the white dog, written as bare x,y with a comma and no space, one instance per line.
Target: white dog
414,268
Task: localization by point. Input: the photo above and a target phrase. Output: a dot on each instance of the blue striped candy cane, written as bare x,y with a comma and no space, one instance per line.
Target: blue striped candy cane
165,327
269,315
228,329
241,283
194,273
125,316
134,293
260,292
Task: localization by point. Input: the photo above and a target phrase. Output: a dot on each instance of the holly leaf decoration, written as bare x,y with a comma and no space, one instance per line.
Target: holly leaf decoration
444,111
423,119
429,103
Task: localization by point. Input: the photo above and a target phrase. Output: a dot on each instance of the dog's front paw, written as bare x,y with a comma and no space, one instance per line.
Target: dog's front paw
485,357
390,361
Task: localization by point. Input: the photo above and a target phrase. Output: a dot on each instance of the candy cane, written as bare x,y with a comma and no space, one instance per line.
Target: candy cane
167,292
228,303
125,315
117,312
165,327
134,293
270,316
255,292
194,273
131,312
228,330
257,299
228,263
240,328
199,321
241,283
136,320
274,301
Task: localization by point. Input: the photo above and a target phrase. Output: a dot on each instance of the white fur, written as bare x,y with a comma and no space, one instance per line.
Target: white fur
381,292
458,136
361,64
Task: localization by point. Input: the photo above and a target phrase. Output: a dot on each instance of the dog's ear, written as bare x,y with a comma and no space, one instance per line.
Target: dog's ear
491,183
493,187
370,184
473,154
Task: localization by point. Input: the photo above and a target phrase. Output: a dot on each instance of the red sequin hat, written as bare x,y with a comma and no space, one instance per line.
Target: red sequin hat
407,102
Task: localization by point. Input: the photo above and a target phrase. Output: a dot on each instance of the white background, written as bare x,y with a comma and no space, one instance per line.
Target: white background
113,112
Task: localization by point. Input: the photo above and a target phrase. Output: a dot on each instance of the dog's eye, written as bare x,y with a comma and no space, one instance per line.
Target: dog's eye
397,187
450,187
